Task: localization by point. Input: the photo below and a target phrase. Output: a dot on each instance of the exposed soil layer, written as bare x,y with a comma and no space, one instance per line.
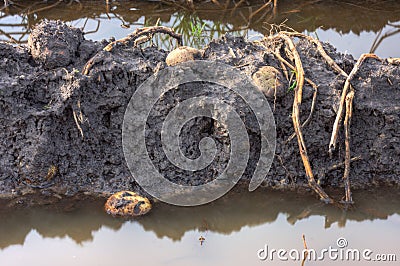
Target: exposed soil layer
61,130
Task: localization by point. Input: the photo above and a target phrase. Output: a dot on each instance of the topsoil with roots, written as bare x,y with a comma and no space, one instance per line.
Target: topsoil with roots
61,131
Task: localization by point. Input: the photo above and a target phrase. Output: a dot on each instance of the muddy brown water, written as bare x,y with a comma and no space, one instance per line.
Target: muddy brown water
234,227
237,226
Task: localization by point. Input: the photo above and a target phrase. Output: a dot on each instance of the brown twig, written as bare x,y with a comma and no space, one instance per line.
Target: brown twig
242,65
236,6
144,31
346,98
275,9
275,91
44,8
393,61
216,3
305,253
305,123
298,66
347,121
260,9
282,164
78,118
135,38
296,118
89,64
315,87
285,62
340,165
335,131
285,72
378,42
92,31
11,38
321,51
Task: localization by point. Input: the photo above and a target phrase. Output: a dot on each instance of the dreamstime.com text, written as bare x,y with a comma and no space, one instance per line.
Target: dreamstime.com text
338,253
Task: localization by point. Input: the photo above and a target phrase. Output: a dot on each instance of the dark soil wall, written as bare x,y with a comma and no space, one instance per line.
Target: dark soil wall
42,90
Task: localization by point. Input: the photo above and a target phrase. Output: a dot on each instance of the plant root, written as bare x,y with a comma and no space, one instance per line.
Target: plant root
147,31
78,118
340,165
315,87
346,98
347,121
347,84
296,116
321,51
137,37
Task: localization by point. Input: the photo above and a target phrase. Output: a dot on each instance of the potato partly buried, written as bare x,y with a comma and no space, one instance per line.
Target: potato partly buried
127,203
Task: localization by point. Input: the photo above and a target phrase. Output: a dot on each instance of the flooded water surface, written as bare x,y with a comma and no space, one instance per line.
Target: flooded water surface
353,27
235,228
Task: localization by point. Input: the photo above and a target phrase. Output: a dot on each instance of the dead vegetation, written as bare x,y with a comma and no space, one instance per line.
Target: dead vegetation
282,41
139,36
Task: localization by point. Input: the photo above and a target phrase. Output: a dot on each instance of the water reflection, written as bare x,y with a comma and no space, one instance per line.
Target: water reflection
73,220
230,214
348,24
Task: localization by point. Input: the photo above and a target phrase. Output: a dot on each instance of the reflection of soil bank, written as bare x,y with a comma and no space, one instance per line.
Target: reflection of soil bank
61,131
68,218
81,220
343,16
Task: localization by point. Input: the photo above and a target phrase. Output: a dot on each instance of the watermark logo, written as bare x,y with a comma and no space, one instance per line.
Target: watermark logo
142,130
341,242
340,252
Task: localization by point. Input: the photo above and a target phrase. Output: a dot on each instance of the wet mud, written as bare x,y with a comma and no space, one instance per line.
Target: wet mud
61,130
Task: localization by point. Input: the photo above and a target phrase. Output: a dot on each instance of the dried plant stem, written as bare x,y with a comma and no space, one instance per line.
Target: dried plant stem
321,51
315,87
138,36
285,62
305,254
298,66
296,118
78,118
141,32
44,8
340,165
260,9
347,85
346,100
347,121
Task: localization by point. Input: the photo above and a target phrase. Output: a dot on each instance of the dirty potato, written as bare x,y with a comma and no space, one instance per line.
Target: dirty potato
127,203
